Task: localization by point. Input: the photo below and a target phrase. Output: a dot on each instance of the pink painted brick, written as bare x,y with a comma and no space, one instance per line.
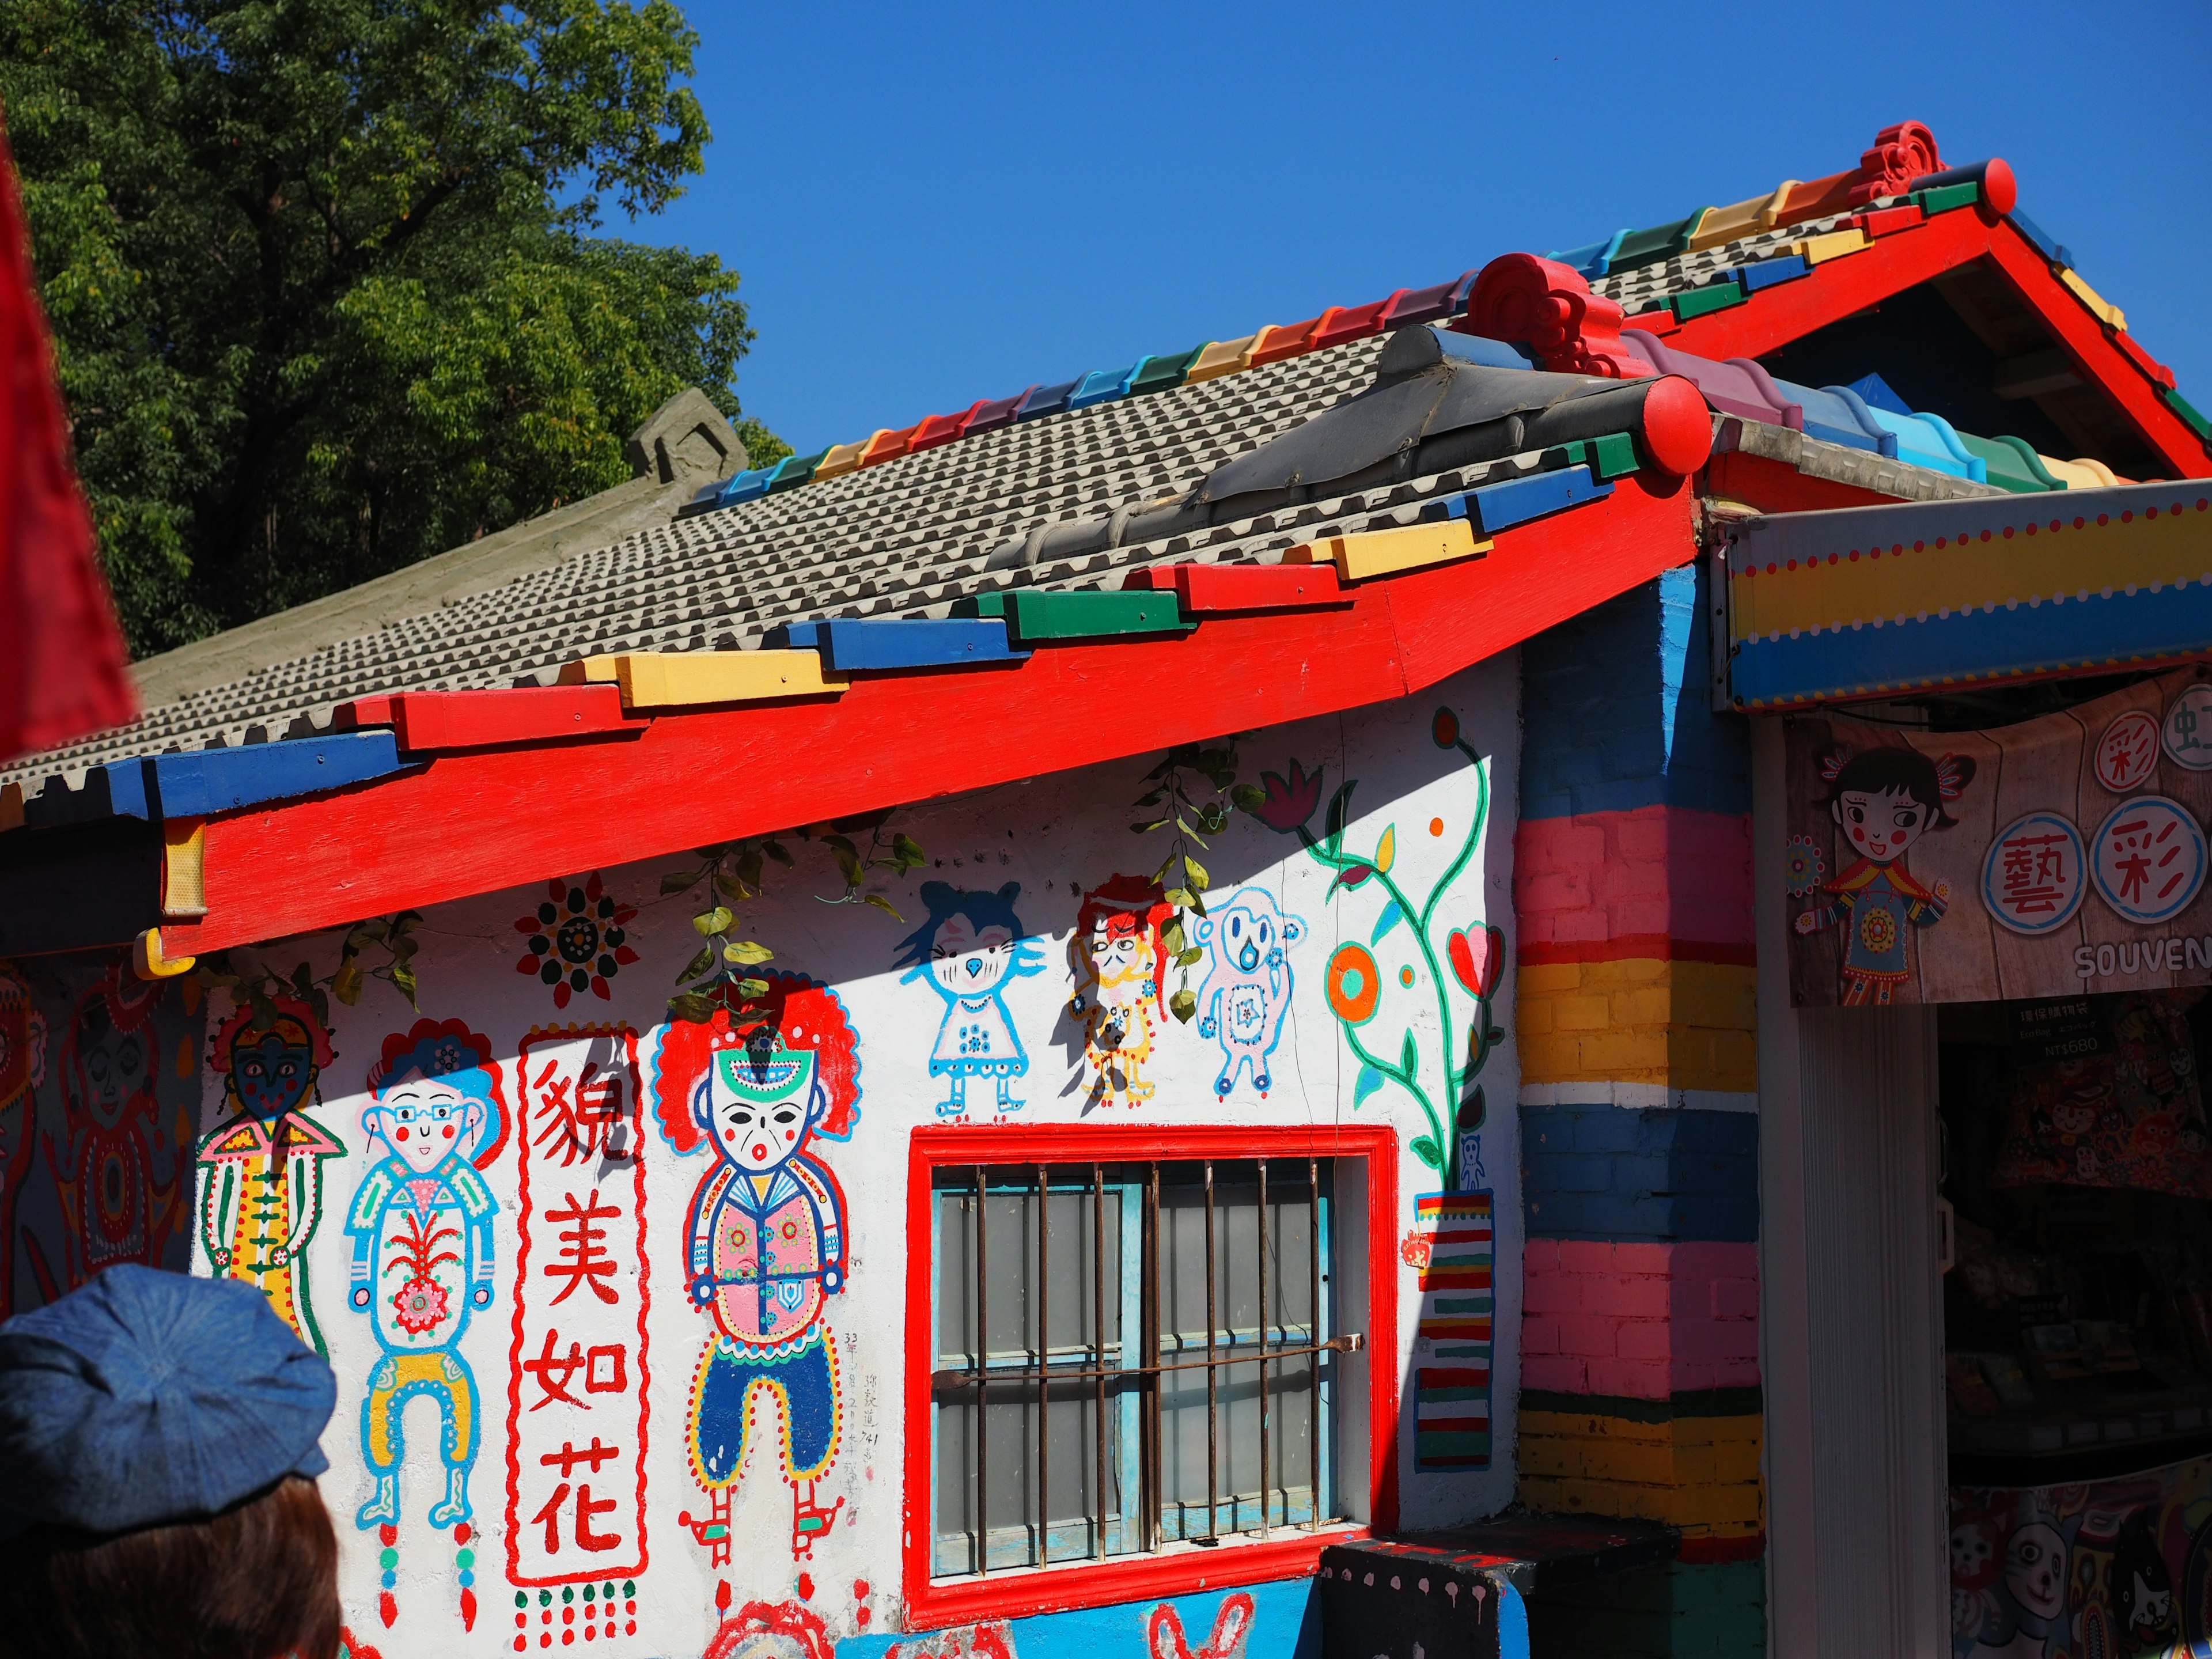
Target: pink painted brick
1556,1373
1712,1260
1694,1339
1586,925
1558,844
1631,878
1582,1256
1638,1379
1593,1338
1735,1374
1540,1336
1658,1258
1558,890
1540,1255
1688,1378
1629,1297
1645,1339
1643,915
1552,1293
1734,1298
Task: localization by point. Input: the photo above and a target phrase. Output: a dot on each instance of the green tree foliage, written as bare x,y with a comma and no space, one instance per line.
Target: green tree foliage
327,280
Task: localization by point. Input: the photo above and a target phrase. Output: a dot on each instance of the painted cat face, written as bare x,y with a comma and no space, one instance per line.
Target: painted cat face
970,963
422,1120
760,1106
272,1073
2035,1569
1881,825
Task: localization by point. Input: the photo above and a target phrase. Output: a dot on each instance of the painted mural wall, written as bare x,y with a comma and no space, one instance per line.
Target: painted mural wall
616,1304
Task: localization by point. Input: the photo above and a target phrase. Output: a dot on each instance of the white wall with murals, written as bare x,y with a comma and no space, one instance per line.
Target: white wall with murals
618,1308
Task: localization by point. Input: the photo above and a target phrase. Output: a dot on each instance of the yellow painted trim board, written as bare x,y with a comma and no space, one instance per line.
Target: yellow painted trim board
149,963
846,458
2103,309
1819,250
1973,574
1385,552
652,679
183,870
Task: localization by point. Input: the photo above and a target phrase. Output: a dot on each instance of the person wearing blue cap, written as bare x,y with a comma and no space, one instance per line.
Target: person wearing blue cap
158,1454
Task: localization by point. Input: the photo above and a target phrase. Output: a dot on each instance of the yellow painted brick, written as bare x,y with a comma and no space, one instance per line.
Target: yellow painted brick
1718,1431
1581,1425
1627,972
1532,1016
1581,1013
1718,995
1551,1059
1614,1054
1736,1464
2104,309
1547,977
652,679
1639,1463
1652,1004
1543,1456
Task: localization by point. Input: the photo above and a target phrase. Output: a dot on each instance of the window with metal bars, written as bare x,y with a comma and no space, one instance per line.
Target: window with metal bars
1131,1354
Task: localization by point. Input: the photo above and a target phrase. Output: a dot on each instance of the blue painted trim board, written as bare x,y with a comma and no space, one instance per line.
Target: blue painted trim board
2026,637
1495,507
859,646
212,780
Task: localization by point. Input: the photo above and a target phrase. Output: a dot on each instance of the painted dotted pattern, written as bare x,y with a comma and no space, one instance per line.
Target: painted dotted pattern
601,1612
1898,549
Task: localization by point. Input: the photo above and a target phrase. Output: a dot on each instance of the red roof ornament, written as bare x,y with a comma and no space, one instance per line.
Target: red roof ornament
1544,306
1901,154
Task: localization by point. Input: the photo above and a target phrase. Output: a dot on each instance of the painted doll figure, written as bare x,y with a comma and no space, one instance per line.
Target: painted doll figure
969,945
766,1234
1120,984
23,1069
421,1226
1246,989
261,1167
1884,800
116,1172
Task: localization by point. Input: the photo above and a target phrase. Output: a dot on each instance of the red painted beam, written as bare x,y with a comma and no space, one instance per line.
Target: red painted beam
426,720
1789,311
487,819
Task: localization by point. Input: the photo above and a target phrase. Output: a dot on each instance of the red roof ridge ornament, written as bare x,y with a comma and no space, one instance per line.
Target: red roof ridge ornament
1544,306
1901,154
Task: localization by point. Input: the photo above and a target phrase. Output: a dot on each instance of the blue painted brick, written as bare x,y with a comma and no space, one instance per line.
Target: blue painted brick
1722,1132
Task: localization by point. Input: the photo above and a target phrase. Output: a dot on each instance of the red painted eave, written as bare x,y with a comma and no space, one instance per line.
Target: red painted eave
477,822
1789,311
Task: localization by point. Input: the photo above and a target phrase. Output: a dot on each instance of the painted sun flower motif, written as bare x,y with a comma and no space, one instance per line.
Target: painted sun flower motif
419,1305
576,939
1802,867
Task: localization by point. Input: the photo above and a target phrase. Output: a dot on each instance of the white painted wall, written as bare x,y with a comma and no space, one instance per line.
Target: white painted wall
1057,836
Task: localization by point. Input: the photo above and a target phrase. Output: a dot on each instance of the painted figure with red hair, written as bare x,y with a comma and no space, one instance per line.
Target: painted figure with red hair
766,1236
1121,985
116,1172
261,1167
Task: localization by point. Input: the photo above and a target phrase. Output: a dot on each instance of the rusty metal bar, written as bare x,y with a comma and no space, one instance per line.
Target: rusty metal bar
982,1381
1212,1457
1350,1343
1266,1497
1313,1336
1098,1334
1151,1351
1044,1367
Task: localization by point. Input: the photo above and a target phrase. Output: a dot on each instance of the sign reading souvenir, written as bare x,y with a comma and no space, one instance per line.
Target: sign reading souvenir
2057,857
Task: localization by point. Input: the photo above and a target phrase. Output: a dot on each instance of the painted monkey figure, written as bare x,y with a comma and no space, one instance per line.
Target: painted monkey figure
969,947
421,1224
118,1174
1246,992
261,1167
766,1234
23,1069
1120,984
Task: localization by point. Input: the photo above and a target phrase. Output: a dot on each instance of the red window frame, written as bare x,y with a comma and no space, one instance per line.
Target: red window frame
931,1604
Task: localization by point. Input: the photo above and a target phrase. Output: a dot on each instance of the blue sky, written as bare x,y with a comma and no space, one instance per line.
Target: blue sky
931,204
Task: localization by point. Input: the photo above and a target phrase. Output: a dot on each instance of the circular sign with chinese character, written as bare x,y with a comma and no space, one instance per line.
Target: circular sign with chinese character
2188,732
2127,754
2035,873
2148,858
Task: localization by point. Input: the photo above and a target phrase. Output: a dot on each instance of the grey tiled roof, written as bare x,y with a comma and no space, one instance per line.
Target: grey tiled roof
1638,290
904,538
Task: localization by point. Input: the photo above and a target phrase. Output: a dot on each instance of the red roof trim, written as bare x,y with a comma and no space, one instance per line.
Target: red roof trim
482,820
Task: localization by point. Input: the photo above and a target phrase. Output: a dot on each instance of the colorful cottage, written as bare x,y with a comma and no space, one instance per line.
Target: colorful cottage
1187,1012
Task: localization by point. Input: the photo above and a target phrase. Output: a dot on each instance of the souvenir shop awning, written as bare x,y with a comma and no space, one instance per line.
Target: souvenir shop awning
1884,601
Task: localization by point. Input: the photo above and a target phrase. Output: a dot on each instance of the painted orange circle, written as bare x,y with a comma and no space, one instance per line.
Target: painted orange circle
1435,826
1354,984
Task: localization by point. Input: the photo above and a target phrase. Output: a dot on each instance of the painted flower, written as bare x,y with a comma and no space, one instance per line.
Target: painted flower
1415,1249
419,1305
576,939
1877,931
1354,984
1444,729
1802,867
1477,959
1291,801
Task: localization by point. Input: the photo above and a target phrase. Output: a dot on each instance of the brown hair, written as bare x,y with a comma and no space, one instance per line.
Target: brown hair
259,1581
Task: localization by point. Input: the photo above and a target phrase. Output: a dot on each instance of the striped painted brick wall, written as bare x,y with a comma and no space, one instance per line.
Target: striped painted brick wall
1637,1018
